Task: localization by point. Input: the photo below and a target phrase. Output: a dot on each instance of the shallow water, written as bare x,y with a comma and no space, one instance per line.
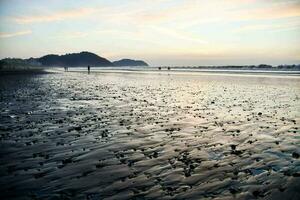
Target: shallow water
149,136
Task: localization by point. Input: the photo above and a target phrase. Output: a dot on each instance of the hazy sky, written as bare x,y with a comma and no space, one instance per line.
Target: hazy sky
161,32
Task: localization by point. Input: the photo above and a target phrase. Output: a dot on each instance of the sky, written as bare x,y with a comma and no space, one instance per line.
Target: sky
160,32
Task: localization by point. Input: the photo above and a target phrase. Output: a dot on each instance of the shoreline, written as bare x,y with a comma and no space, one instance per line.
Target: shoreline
193,73
152,70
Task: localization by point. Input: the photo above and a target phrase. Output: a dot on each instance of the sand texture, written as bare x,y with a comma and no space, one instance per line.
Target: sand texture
149,136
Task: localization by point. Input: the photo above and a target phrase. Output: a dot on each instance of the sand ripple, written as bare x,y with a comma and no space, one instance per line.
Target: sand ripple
153,136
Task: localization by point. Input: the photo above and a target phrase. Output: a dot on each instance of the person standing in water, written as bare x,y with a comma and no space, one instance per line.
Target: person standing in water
89,69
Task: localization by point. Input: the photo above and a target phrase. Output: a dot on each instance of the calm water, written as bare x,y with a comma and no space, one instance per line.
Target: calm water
149,135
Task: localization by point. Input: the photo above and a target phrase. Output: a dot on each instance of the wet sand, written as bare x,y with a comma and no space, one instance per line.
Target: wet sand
149,136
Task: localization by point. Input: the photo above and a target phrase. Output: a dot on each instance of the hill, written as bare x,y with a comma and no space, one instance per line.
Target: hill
129,62
74,60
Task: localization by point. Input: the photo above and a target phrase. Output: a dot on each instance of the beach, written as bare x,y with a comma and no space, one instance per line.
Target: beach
149,135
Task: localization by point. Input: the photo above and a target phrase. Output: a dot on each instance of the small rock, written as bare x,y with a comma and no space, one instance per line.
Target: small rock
100,165
295,155
256,193
296,174
233,190
281,189
235,172
66,161
233,146
78,128
236,152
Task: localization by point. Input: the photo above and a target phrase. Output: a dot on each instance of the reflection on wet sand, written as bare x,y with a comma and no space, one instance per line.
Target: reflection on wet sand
154,136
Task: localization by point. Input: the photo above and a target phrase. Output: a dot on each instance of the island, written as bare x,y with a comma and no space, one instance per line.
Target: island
130,62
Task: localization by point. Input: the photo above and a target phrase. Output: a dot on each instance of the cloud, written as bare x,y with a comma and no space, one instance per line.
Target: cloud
178,35
58,16
76,34
8,35
192,12
268,27
276,11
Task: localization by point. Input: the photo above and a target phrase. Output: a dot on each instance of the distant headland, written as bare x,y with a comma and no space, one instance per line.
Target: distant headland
81,59
129,62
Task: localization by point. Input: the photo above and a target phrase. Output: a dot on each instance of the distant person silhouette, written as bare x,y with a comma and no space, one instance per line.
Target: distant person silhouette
89,69
169,68
159,68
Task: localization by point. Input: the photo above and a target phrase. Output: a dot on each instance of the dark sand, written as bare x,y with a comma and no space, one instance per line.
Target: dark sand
149,136
22,70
